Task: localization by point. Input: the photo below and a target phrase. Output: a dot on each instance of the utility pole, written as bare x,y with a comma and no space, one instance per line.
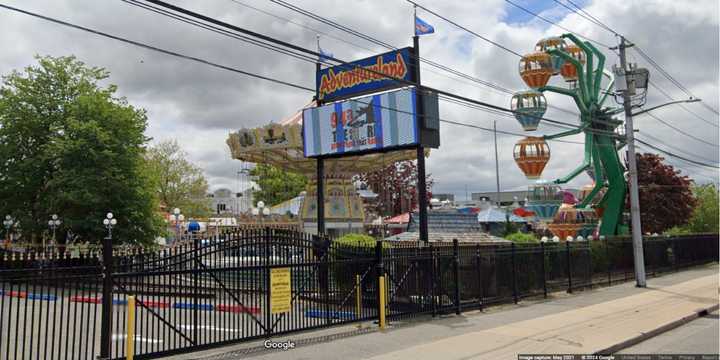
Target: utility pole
638,256
497,167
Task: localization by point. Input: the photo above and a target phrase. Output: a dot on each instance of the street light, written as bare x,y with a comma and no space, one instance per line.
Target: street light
8,223
177,217
53,223
109,223
261,210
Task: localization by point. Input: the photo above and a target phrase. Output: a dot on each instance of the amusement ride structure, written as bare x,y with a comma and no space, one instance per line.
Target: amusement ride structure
281,145
581,65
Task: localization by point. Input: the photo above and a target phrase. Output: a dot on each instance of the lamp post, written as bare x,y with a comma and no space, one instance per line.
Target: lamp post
8,223
53,223
177,217
261,211
109,223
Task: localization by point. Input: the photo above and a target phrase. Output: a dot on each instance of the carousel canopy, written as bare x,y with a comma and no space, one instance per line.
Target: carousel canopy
281,145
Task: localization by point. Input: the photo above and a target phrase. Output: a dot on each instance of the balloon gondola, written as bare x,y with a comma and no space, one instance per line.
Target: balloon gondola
531,154
529,107
571,221
544,200
568,70
550,43
536,69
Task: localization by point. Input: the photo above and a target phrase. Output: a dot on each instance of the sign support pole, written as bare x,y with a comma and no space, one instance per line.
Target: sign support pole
320,175
421,185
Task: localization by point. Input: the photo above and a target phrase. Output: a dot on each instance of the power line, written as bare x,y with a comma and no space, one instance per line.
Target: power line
554,23
421,88
175,54
664,93
153,48
586,15
381,43
665,143
675,155
680,131
466,29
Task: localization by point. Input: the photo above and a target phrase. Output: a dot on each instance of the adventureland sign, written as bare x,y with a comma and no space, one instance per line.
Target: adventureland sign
364,76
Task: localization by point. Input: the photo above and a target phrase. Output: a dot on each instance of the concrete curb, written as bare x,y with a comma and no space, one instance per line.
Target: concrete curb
664,328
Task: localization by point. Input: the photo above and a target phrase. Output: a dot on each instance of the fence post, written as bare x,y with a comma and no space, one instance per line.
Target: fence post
478,262
569,267
107,304
130,338
326,274
514,272
542,250
380,269
268,294
433,303
196,288
607,259
456,275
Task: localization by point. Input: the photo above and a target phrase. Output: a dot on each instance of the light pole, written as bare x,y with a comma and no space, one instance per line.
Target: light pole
8,223
53,223
177,217
261,211
109,223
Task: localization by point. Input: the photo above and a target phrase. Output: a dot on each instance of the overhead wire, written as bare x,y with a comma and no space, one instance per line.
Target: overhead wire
342,63
585,15
246,73
554,23
681,131
228,68
154,48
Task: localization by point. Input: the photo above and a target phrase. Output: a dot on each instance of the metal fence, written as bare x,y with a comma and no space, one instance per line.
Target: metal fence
220,290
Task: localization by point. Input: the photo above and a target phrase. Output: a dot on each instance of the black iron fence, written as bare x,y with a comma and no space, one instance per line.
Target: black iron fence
251,284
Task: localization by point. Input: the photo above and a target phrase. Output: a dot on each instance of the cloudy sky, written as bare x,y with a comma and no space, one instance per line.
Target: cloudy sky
199,105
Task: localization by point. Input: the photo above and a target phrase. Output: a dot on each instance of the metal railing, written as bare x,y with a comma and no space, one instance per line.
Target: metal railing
254,283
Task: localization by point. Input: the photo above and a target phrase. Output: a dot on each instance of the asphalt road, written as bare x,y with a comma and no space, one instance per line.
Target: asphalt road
700,336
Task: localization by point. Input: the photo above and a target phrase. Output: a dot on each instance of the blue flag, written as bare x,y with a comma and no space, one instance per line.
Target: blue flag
422,28
324,55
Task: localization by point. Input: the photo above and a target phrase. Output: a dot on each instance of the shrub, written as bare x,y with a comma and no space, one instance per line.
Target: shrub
519,237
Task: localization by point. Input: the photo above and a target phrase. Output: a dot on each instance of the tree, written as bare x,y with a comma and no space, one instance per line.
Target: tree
666,198
71,147
276,185
396,186
180,183
706,213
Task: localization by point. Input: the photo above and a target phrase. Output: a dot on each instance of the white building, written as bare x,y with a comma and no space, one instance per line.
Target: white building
226,202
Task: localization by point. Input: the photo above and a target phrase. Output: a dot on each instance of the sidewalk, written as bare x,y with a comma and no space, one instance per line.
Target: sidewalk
586,322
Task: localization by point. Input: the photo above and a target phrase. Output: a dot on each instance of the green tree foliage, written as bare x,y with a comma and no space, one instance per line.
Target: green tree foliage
180,183
276,185
71,147
705,215
666,199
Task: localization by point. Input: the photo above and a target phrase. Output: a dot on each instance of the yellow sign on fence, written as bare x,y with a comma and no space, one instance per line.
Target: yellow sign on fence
280,290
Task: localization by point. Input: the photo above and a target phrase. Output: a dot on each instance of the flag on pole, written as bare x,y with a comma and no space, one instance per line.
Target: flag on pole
422,28
324,55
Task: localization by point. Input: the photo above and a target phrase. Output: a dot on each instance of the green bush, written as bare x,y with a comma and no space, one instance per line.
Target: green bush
356,240
519,237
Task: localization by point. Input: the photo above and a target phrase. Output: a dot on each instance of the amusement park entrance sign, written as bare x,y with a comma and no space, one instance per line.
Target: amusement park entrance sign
364,76
368,124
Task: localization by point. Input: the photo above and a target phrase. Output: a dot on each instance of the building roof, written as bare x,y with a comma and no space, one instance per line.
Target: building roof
494,214
292,206
447,220
399,219
447,237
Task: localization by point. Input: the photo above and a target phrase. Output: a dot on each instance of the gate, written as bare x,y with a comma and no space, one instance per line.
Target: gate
221,290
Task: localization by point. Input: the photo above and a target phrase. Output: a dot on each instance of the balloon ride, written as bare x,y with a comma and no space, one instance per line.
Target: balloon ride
581,65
